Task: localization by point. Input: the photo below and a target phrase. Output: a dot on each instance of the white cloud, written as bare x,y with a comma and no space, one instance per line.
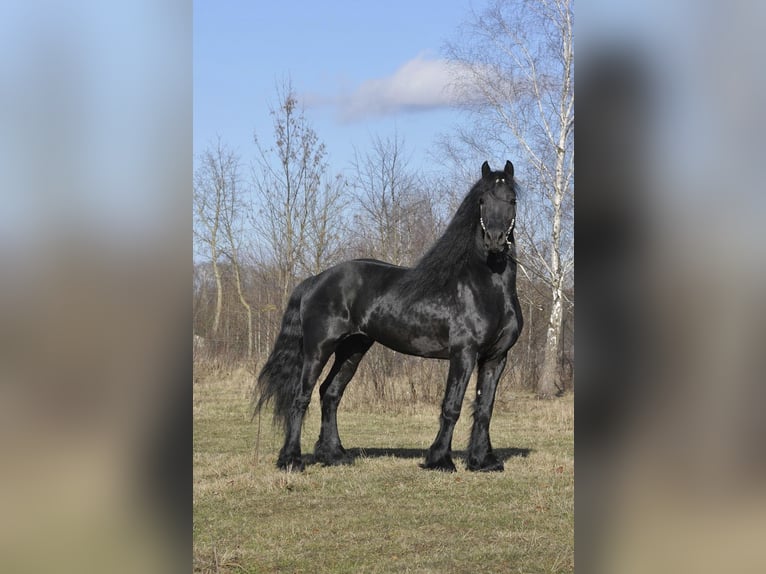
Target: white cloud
419,84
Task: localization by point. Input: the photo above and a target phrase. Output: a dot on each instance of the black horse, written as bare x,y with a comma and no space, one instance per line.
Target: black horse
458,303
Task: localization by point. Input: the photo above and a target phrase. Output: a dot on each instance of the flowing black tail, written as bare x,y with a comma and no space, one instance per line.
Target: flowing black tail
280,378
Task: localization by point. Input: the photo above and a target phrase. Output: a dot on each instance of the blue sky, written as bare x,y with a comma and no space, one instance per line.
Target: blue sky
362,69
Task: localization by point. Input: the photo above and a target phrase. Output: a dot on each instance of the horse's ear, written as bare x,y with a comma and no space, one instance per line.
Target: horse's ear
485,169
509,169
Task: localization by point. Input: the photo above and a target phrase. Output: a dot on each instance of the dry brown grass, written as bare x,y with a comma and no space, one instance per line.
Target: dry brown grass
384,513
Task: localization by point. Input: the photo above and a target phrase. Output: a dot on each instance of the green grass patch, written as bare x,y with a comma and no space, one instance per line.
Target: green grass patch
383,513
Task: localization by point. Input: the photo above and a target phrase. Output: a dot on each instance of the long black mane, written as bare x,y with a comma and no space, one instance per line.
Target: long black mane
447,257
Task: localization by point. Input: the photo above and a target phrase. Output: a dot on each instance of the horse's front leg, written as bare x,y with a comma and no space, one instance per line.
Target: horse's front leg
461,366
480,455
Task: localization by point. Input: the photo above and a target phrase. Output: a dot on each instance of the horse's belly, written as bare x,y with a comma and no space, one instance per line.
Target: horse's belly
420,346
411,334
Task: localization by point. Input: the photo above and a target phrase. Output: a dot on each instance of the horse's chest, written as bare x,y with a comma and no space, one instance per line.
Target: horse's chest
490,309
502,326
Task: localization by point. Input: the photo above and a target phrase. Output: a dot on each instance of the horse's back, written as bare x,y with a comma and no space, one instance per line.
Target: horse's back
343,293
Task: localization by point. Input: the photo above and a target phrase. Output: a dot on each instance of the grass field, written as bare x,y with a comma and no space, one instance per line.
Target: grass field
383,513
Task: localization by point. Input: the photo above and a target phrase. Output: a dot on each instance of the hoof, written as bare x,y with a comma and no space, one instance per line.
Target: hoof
443,464
290,464
489,464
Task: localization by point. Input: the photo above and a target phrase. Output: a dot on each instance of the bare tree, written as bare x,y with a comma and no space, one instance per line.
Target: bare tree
297,203
326,225
397,219
211,180
518,56
232,221
219,209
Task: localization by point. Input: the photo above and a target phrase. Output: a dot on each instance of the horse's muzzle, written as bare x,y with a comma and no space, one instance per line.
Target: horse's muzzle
495,242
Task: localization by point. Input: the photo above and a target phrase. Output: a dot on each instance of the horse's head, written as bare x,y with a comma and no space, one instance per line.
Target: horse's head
497,207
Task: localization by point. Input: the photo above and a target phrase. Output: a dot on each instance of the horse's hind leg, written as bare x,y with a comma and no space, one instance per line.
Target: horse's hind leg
328,449
313,363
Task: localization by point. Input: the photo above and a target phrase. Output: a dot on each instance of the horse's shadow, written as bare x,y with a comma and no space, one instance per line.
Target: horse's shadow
362,452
